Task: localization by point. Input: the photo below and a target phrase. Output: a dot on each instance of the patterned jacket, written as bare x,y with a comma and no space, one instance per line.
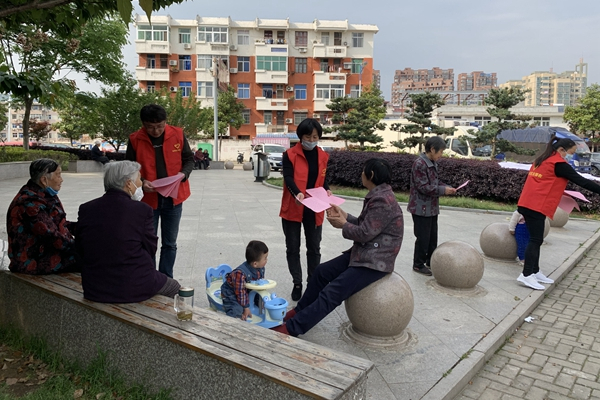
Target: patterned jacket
39,236
377,233
425,188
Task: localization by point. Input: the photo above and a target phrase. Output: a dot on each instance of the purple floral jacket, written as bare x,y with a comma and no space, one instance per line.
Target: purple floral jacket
377,233
425,188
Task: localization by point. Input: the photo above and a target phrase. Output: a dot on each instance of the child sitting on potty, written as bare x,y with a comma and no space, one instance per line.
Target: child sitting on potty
233,291
517,227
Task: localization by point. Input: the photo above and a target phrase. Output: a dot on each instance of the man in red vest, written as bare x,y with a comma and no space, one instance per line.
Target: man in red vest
162,150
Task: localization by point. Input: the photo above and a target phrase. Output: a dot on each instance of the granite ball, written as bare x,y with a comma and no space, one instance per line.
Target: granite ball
497,242
228,165
457,264
560,219
247,166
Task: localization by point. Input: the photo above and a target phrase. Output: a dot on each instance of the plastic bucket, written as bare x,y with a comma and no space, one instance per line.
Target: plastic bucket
276,308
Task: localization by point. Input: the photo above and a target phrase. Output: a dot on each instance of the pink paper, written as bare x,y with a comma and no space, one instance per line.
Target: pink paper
463,185
567,203
169,186
319,201
577,195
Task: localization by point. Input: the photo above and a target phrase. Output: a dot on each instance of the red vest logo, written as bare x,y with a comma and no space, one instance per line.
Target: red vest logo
177,147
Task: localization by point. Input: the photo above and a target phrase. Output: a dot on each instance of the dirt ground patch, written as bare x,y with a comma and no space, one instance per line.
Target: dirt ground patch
21,373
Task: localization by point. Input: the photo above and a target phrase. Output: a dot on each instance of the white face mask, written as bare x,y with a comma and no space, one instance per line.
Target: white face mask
138,194
309,145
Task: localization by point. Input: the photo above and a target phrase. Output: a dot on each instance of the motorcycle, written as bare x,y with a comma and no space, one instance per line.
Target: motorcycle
240,158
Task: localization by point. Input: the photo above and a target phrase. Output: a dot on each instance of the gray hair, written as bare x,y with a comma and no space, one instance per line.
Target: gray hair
117,173
41,167
98,141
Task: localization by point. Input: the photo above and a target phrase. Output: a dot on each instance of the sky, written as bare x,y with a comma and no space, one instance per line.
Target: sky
512,38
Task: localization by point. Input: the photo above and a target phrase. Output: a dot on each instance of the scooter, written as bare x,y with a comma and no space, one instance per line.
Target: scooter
240,158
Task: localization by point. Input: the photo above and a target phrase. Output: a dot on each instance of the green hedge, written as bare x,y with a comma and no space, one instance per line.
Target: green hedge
12,154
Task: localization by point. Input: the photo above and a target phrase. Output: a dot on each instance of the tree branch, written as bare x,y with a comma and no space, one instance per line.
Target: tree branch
34,5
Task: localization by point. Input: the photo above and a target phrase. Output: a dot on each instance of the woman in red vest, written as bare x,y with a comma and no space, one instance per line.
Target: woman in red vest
545,184
304,167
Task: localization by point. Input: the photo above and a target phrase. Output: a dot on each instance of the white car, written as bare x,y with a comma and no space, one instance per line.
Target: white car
274,153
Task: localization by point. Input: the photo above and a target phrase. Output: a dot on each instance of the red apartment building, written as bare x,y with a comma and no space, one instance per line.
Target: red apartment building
282,71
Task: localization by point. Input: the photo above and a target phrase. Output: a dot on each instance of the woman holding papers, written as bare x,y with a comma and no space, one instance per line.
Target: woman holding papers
376,235
544,187
116,243
304,167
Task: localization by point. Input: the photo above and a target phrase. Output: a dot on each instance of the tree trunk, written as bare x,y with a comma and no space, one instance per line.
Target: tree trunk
28,105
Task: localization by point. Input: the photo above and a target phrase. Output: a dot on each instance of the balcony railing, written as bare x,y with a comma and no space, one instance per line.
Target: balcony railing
266,104
152,74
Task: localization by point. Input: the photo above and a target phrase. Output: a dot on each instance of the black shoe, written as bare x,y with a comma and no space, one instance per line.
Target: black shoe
297,292
423,270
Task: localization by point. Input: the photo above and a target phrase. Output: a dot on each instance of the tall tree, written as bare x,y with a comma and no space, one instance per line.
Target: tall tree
3,115
78,116
230,114
34,54
185,112
357,119
421,108
584,118
501,101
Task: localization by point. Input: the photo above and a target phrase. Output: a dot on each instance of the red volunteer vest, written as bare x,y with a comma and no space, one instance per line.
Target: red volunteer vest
145,155
289,209
543,189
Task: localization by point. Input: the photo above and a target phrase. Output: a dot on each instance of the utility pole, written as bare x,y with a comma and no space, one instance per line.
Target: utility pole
216,107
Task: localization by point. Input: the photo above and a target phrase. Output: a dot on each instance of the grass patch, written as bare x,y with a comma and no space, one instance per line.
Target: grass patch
52,377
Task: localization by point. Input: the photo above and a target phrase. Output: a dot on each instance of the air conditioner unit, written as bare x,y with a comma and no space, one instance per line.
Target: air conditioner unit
347,65
289,88
233,47
302,49
173,63
345,43
315,41
173,88
289,121
233,70
187,46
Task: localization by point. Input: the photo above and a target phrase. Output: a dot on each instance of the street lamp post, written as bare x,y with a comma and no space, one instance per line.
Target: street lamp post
360,78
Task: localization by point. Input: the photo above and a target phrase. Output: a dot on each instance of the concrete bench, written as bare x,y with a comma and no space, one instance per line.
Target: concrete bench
85,166
211,357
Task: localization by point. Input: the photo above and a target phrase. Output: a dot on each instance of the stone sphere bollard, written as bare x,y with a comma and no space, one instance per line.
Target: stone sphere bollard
497,242
457,264
228,165
546,227
380,313
560,218
247,166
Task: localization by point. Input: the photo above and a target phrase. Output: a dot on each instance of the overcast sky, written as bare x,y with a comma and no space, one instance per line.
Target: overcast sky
512,38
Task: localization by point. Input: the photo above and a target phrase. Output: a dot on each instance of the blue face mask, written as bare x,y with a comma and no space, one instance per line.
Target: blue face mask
309,145
568,157
51,191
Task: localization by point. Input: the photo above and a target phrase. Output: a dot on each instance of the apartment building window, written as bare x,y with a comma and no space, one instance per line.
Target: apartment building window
480,120
300,92
243,37
301,38
271,63
267,91
299,117
204,61
542,121
151,86
243,64
357,65
268,117
354,90
357,39
185,63
205,89
337,38
329,91
243,91
325,38
268,36
246,116
164,61
14,116
212,34
154,33
280,37
186,88
36,107
300,67
35,116
151,61
185,35
324,64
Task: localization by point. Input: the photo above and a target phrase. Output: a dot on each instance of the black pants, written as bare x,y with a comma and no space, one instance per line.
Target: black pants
535,222
312,234
426,232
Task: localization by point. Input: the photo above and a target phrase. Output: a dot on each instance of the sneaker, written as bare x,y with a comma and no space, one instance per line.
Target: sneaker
520,262
281,329
541,278
297,292
423,270
530,281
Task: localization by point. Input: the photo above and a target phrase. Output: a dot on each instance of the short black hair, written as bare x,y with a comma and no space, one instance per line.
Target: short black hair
41,167
378,171
153,113
307,126
436,143
255,250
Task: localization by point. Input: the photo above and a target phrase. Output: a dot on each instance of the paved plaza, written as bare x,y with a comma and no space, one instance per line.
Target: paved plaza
453,334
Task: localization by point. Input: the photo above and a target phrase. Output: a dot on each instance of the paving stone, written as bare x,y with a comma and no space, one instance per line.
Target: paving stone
565,380
536,393
538,359
581,392
591,368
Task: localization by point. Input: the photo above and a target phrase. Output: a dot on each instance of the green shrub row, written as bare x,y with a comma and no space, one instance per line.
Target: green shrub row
12,154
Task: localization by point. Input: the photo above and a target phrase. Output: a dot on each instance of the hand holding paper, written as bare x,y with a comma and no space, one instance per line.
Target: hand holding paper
169,186
463,185
319,201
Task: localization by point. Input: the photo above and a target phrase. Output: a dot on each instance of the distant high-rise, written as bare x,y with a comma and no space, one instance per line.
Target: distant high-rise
551,88
476,80
377,78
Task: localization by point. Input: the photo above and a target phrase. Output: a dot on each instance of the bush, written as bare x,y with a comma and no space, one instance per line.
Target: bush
488,181
12,154
82,154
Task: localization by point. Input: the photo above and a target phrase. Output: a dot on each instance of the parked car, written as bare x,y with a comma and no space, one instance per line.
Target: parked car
274,154
595,167
484,151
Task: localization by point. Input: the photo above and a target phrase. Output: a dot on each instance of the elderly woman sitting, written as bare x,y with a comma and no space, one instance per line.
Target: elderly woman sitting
40,239
116,242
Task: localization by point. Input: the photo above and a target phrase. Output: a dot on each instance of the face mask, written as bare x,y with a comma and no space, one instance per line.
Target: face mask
51,191
309,145
568,157
138,194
